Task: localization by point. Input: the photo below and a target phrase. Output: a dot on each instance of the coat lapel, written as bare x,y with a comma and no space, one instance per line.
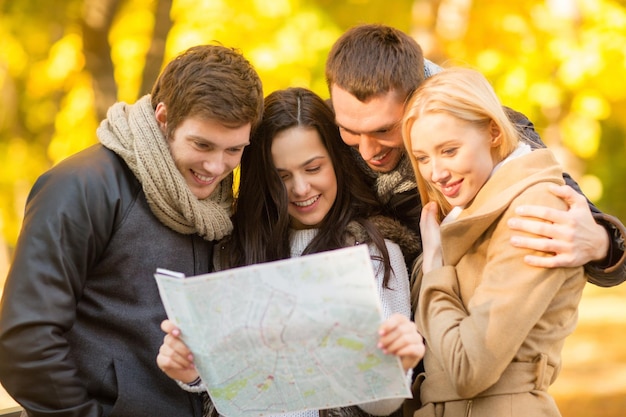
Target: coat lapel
506,184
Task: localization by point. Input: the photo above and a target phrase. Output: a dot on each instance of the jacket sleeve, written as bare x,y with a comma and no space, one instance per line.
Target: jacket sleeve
610,271
475,337
67,222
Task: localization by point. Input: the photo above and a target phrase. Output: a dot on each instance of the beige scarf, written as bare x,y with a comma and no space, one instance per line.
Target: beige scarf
132,132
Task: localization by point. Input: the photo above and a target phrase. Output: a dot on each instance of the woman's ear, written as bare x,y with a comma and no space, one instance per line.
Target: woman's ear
495,134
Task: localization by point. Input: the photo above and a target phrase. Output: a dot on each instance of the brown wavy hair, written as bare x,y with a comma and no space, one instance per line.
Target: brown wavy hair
211,82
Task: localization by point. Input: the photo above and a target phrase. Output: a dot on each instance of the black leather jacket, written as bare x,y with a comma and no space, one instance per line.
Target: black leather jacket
79,321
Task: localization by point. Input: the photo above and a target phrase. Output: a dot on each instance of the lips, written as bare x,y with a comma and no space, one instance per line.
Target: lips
451,189
306,203
380,159
203,178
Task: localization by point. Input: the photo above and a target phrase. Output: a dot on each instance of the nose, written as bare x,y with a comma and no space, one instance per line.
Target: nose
439,173
368,147
215,163
300,186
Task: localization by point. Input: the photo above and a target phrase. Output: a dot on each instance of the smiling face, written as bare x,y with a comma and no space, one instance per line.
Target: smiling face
372,127
453,155
306,169
204,151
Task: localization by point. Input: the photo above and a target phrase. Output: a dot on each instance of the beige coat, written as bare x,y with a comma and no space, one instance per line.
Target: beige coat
495,326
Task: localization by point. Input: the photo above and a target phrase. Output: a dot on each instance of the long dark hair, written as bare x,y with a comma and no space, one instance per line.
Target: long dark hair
261,220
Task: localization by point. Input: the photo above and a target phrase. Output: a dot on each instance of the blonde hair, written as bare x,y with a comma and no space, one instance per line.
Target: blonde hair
465,94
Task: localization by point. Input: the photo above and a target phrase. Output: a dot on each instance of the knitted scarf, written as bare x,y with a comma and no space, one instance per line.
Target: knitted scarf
401,179
132,132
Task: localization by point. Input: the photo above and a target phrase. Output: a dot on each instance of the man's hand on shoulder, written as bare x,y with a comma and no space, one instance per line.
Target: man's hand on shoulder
573,236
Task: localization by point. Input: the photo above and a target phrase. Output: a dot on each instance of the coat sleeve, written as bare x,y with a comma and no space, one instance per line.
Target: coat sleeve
477,338
610,271
66,226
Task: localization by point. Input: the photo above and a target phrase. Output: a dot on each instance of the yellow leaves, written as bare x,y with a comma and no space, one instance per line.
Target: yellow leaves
273,9
592,187
16,152
75,123
546,95
12,55
50,75
566,9
130,39
580,128
184,9
514,23
65,57
560,48
264,58
592,104
563,61
17,155
607,13
197,22
452,19
581,134
489,60
512,84
287,41
579,66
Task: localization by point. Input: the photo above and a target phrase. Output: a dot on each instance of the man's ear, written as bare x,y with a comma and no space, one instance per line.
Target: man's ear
160,113
495,133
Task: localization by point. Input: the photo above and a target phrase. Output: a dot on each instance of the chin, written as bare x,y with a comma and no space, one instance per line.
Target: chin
204,194
380,169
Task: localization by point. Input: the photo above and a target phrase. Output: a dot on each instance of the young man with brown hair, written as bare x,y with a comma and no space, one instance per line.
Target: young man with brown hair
80,315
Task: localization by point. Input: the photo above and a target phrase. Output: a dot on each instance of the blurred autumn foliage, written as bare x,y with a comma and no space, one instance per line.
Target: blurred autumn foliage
561,62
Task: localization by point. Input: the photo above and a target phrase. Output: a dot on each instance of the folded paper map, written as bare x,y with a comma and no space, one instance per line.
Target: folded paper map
286,336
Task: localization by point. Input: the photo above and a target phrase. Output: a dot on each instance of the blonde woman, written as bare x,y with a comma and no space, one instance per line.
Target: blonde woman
494,326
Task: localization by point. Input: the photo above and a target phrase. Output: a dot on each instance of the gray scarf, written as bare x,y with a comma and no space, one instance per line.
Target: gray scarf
401,179
132,132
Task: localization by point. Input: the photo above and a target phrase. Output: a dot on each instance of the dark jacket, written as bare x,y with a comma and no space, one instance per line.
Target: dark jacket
79,321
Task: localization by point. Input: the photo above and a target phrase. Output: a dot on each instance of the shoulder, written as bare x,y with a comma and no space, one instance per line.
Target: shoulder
504,207
407,239
95,162
95,169
393,249
89,185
